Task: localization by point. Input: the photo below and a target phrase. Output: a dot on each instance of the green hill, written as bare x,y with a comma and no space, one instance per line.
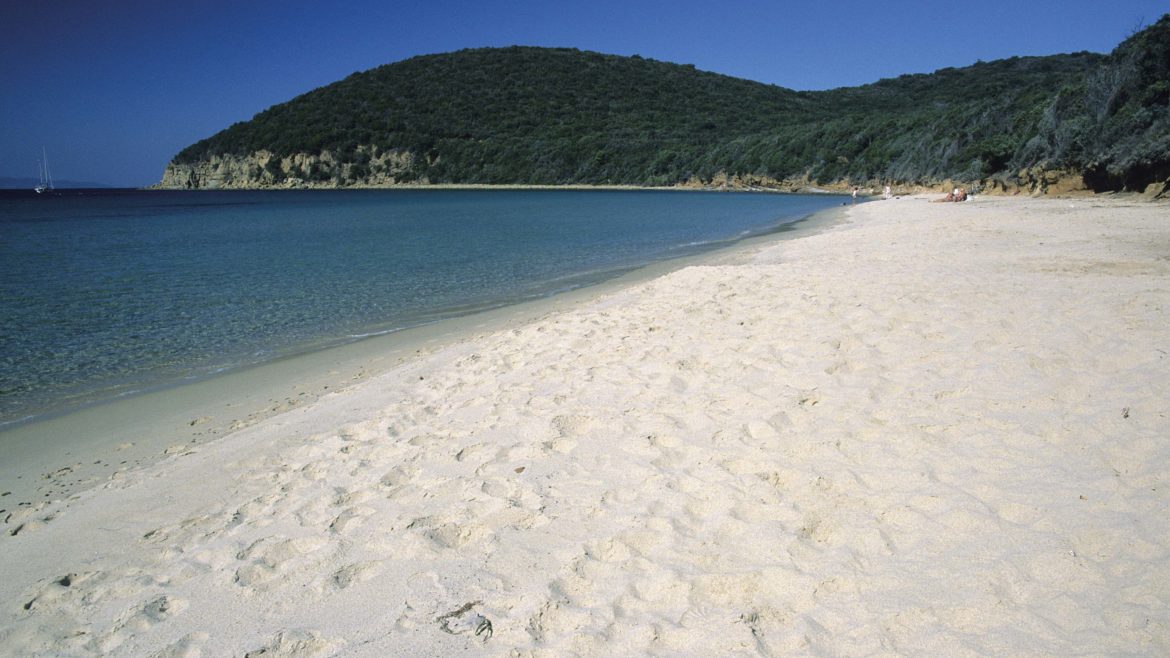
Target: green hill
526,115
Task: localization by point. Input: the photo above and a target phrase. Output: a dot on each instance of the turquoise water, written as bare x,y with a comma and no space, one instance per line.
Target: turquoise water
110,293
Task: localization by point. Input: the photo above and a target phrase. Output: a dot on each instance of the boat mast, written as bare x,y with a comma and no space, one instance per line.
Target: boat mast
40,188
48,174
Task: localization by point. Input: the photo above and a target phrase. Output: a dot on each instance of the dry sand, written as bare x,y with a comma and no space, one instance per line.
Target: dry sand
933,430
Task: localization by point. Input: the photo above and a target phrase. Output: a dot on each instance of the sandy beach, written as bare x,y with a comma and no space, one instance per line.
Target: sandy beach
926,430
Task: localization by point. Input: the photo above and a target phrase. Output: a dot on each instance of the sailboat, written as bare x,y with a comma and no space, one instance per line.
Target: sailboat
46,183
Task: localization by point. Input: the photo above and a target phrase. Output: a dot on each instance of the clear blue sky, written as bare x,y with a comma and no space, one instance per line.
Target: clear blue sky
114,88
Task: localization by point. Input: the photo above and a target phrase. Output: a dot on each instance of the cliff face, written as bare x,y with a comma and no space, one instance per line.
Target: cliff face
261,170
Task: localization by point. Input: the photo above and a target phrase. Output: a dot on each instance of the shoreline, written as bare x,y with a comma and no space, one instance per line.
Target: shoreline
723,184
933,429
39,395
135,430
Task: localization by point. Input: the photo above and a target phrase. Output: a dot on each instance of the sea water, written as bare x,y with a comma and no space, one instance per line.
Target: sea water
104,294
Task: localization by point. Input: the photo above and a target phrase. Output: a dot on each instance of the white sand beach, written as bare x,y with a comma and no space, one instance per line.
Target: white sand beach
928,430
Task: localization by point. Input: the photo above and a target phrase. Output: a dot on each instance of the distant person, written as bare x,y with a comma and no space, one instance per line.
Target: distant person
886,193
957,194
855,194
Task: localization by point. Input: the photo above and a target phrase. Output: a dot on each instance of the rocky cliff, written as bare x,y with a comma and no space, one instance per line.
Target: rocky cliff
366,167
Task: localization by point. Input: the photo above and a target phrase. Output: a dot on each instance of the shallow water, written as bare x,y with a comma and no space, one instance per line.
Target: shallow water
105,294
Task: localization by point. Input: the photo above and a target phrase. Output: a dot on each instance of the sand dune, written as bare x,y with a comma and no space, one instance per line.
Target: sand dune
934,429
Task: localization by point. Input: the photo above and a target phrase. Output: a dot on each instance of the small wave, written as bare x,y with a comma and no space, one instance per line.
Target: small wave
18,421
371,334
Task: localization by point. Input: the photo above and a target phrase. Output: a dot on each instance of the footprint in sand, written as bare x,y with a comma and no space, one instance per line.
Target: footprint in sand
139,620
188,646
272,560
450,530
296,644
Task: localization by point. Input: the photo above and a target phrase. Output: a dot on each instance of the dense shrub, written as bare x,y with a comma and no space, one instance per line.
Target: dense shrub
556,116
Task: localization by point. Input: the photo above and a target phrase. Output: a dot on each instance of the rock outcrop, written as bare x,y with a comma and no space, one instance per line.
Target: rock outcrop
368,167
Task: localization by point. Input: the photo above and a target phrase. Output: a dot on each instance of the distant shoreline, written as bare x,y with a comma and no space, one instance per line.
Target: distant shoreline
440,186
867,190
511,186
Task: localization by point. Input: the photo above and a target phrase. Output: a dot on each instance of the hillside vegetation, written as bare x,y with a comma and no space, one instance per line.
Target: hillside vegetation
556,116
